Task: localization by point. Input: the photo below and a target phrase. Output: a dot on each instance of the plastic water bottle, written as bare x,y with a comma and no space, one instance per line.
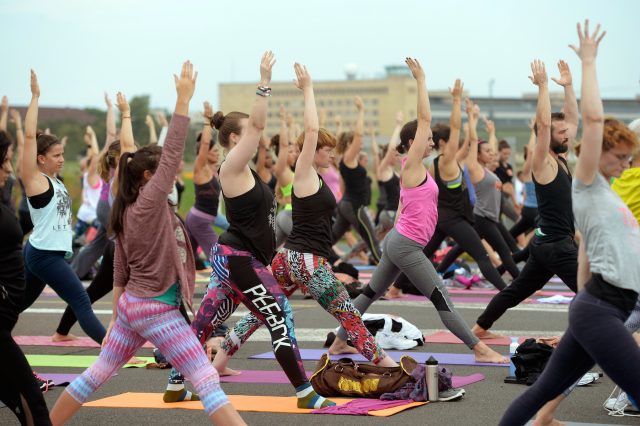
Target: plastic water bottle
431,371
512,351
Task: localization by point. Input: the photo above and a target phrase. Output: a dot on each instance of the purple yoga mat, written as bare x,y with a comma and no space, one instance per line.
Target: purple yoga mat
59,379
443,358
278,377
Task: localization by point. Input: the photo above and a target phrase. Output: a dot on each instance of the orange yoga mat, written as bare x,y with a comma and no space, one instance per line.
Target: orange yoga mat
265,404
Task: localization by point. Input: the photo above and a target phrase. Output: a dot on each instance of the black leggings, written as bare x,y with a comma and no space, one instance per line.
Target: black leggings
465,235
545,260
492,232
101,285
356,217
596,334
526,223
20,391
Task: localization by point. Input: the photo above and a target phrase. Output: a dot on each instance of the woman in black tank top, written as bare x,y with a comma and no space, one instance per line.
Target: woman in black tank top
240,258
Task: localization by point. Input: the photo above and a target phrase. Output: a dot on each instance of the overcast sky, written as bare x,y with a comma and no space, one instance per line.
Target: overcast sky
81,48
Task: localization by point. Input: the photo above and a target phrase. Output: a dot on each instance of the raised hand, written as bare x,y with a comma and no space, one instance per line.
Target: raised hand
266,65
107,100
63,141
303,79
359,104
532,122
5,104
186,83
16,118
588,48
416,68
123,105
283,114
489,126
565,74
399,118
208,110
35,87
148,120
456,92
468,106
538,73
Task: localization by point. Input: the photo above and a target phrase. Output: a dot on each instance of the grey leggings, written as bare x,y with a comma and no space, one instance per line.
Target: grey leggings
401,254
284,226
90,253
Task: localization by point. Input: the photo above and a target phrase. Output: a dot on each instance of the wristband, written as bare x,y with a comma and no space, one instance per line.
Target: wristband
265,89
263,94
126,116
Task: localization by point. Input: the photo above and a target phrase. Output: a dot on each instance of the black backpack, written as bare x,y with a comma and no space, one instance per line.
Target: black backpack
530,359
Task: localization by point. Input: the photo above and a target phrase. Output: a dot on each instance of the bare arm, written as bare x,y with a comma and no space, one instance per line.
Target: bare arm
476,172
282,170
92,176
350,156
592,110
414,171
205,142
164,128
462,153
526,168
33,181
490,127
153,137
15,117
375,152
448,162
570,107
393,143
4,110
111,123
127,143
543,117
306,181
238,159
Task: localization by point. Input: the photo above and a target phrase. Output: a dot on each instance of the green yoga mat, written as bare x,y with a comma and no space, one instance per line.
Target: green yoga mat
80,361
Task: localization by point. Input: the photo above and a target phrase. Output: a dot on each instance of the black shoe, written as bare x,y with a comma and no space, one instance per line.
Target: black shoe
43,383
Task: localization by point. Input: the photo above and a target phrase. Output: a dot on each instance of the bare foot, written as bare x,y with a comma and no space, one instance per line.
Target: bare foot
340,347
393,293
551,341
214,344
63,338
135,360
485,354
229,372
481,333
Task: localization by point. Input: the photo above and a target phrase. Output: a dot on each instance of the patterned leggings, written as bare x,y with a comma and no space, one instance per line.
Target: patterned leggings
238,277
311,274
142,319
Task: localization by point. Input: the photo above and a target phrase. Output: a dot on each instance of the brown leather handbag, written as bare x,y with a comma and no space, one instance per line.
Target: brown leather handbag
345,377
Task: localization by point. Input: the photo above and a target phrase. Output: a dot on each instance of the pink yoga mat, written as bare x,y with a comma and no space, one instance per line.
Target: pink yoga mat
81,342
59,379
447,337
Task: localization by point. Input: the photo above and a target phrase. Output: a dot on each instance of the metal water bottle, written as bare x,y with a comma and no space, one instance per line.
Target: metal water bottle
431,370
512,351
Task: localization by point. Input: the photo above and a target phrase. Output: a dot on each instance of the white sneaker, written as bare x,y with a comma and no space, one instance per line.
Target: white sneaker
394,341
621,406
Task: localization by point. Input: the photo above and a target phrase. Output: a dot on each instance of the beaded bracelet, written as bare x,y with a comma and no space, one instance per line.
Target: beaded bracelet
263,94
265,89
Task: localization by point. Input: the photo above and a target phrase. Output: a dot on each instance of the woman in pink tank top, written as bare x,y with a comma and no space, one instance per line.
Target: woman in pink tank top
418,215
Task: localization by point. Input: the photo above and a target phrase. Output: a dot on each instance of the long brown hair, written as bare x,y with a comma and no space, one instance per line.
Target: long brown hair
131,170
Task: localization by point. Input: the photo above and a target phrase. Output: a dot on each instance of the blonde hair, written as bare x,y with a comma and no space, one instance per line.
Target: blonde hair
325,138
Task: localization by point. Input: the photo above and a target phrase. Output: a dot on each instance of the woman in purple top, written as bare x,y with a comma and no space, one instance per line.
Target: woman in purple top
404,244
148,289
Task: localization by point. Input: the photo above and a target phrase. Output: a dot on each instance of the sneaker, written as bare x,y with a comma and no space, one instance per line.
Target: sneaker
43,383
589,378
389,340
452,394
621,405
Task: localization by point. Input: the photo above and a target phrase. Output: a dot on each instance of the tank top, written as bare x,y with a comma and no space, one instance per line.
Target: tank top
331,178
392,189
355,184
419,212
252,221
208,196
488,196
90,198
286,192
272,183
555,208
530,195
52,228
312,222
453,197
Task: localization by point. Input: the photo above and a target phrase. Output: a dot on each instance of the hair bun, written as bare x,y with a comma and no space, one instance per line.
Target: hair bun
217,120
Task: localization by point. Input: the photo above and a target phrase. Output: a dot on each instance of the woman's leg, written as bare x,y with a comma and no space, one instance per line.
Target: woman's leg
199,227
488,230
367,232
342,224
526,222
50,267
33,284
89,255
100,286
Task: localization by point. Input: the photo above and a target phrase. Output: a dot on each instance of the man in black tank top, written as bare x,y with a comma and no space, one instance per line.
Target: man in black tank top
553,250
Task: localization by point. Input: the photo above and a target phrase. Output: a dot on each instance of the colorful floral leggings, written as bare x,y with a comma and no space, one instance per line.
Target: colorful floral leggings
142,319
312,274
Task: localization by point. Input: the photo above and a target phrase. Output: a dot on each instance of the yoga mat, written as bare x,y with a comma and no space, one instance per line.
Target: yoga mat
418,298
448,337
264,404
421,357
81,342
278,377
59,379
492,292
79,361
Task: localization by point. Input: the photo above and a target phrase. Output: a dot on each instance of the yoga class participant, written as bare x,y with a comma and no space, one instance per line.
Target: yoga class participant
287,155
552,249
527,222
49,245
303,261
240,258
202,215
351,209
608,273
148,289
21,392
416,224
91,186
